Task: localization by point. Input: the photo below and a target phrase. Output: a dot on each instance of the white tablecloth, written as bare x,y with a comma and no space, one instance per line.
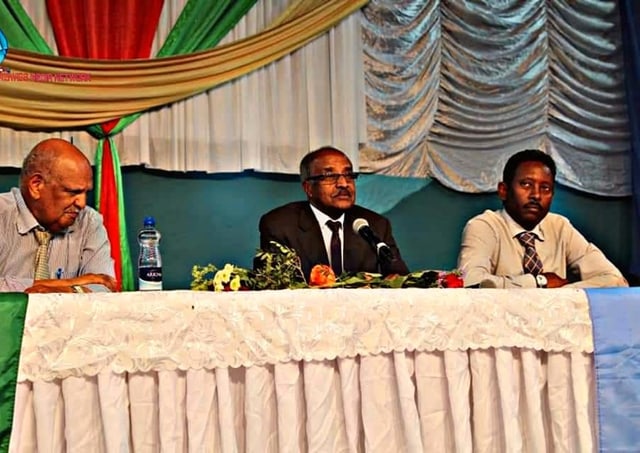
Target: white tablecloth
308,370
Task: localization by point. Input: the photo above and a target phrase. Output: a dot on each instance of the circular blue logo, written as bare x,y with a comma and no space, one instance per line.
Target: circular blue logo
4,46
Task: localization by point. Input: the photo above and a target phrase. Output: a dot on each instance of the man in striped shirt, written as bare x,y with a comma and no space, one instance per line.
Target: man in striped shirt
52,198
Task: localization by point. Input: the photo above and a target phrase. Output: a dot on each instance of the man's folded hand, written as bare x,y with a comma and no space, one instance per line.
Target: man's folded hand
65,285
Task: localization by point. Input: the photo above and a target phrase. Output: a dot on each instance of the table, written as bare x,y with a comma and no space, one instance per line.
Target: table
308,370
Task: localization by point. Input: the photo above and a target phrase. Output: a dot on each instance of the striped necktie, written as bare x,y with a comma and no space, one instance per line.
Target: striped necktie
531,263
42,255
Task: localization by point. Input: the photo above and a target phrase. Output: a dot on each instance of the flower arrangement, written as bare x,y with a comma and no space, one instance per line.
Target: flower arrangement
279,267
229,278
323,276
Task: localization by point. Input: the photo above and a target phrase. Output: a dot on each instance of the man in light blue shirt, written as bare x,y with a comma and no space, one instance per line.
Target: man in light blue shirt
54,182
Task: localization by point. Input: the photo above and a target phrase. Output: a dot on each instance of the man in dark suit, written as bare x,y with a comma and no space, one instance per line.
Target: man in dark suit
329,181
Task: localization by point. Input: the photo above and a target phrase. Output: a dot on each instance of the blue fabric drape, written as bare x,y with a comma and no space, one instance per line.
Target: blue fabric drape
616,338
630,23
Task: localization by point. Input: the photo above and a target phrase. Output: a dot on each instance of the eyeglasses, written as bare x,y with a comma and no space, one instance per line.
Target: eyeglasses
333,178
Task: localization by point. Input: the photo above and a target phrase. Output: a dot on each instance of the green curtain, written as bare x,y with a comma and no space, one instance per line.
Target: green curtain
13,308
201,25
19,29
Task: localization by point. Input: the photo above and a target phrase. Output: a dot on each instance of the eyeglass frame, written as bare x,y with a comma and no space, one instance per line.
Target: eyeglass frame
333,178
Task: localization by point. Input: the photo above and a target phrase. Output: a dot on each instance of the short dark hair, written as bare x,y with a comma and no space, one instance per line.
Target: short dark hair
528,155
307,160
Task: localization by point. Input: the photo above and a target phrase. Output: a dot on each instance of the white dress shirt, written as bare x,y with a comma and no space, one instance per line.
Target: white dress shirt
322,219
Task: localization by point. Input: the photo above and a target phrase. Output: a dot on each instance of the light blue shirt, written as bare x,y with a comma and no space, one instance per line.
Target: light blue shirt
81,249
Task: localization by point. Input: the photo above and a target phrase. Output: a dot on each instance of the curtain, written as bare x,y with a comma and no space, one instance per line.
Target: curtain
496,400
454,88
193,31
630,17
268,119
113,88
115,33
229,129
104,30
308,370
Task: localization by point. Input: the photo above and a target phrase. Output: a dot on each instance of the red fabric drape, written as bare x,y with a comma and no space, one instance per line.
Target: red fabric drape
106,29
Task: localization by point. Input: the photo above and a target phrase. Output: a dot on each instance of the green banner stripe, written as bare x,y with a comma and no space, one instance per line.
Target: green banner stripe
13,309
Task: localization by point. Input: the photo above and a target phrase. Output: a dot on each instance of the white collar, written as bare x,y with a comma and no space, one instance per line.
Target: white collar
322,218
515,228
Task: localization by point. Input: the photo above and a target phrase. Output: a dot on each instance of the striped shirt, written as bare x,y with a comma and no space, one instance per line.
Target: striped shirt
81,249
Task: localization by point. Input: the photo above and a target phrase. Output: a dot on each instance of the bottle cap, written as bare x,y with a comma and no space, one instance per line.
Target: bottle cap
149,221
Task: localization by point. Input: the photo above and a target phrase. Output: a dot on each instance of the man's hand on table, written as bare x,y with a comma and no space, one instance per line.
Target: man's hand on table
554,280
66,285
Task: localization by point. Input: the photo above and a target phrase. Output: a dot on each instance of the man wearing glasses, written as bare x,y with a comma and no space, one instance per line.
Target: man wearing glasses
321,229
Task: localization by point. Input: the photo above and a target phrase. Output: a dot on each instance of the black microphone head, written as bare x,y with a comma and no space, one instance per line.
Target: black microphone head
358,224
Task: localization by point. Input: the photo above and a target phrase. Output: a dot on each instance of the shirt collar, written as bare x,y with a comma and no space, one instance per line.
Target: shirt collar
515,228
322,218
25,221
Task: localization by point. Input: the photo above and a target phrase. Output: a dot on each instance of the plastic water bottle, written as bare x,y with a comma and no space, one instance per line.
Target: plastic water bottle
149,260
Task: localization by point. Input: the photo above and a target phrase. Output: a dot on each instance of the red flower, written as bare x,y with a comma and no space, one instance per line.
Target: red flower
452,280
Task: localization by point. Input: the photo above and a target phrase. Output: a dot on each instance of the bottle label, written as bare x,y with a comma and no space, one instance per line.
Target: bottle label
150,279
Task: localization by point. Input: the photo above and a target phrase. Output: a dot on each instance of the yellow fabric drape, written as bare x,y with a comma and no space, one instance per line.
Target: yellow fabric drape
113,89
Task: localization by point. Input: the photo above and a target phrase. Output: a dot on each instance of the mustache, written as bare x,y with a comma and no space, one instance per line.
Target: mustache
533,204
342,192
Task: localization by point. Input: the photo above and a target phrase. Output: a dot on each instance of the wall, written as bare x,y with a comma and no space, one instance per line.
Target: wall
213,218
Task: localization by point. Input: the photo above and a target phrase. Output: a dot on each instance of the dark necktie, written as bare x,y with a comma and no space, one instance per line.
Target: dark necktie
42,255
336,247
531,262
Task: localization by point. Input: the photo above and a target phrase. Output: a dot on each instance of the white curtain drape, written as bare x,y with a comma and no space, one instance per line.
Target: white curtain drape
455,87
266,120
504,400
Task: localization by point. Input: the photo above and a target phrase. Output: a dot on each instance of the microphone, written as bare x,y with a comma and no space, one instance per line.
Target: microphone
361,227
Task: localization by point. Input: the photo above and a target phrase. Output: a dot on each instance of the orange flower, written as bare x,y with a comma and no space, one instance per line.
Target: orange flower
322,275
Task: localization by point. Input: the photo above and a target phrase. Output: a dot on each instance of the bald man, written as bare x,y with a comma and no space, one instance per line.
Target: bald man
52,198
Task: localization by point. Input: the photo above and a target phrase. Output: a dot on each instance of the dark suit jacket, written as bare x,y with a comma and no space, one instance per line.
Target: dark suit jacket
295,226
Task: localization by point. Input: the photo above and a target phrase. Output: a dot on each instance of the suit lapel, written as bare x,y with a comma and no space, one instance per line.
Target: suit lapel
312,244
